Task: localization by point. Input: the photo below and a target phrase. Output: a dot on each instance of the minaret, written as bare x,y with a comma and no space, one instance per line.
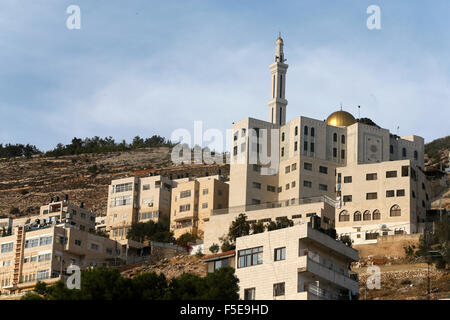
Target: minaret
278,103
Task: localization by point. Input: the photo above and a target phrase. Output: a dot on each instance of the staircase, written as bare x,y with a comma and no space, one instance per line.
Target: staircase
19,256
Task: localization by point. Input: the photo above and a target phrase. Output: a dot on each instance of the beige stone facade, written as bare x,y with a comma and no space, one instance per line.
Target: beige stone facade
43,252
132,200
296,263
192,203
384,198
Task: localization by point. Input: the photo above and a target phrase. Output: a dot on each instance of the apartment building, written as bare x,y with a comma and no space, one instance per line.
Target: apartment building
132,200
384,198
42,252
192,203
295,263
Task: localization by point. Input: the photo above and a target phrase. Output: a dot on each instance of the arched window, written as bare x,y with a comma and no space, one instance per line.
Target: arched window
335,137
312,132
357,216
395,211
344,216
296,131
376,215
305,131
416,155
343,139
367,216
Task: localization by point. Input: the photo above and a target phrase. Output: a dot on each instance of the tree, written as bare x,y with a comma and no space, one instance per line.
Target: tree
186,238
258,227
281,223
214,248
434,247
346,240
239,228
149,286
151,231
221,285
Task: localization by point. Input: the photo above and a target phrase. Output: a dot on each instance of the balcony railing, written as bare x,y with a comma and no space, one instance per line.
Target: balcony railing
322,293
275,204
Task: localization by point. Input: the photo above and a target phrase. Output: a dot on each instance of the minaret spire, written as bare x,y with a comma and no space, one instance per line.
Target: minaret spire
278,102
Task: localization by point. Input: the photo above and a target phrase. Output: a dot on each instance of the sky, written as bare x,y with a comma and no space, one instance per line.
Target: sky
142,67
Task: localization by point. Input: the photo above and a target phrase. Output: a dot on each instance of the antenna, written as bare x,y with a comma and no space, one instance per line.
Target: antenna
359,112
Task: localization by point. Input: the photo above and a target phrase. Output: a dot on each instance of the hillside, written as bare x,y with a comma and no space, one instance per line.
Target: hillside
27,184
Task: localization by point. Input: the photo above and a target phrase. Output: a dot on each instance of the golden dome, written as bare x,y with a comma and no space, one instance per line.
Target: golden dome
340,119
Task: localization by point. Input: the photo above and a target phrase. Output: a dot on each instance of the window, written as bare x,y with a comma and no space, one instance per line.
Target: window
390,193
287,186
124,187
343,139
376,215
342,154
371,235
367,216
344,216
249,294
295,146
294,166
121,201
323,170
391,149
32,243
371,176
250,257
45,240
146,187
405,171
296,216
280,189
307,166
416,155
313,132
323,187
271,188
293,184
185,194
401,193
280,254
7,247
305,146
235,151
256,201
42,274
395,211
334,152
256,168
423,186
357,216
335,137
307,184
78,242
287,169
391,174
205,205
44,257
348,198
282,152
312,146
242,147
278,289
305,130
348,179
404,152
256,185
371,196
282,136
185,207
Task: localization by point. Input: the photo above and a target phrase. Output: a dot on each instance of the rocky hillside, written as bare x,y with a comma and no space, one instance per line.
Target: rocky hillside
171,268
26,184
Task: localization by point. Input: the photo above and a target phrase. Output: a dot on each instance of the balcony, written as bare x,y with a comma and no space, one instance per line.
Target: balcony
314,264
323,294
275,204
